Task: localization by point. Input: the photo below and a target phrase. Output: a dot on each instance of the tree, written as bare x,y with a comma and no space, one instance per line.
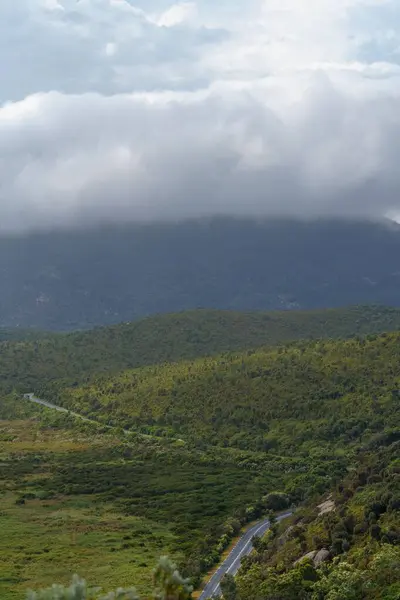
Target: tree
228,587
276,501
170,585
344,581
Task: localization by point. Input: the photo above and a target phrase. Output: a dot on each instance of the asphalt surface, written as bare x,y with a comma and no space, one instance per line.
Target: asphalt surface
231,564
33,398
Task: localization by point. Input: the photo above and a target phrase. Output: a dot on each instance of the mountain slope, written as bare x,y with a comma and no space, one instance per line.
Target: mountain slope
77,279
358,540
166,338
225,431
279,399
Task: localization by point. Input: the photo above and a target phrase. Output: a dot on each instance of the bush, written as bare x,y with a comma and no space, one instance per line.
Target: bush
169,584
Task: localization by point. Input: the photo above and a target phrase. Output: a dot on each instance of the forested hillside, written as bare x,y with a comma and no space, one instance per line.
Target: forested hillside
347,548
303,395
38,357
215,443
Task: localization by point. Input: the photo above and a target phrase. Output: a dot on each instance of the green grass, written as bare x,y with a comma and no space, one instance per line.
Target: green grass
43,542
77,500
53,535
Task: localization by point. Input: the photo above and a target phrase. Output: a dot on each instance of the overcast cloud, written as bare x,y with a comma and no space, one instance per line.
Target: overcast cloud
155,110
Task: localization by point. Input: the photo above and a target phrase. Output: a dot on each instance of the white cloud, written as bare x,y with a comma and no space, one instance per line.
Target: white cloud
159,109
177,14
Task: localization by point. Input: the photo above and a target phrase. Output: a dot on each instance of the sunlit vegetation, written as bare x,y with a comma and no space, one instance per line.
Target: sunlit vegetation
74,357
359,540
309,398
76,498
214,442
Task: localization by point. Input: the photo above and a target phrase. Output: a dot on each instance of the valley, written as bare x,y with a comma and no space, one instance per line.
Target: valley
235,422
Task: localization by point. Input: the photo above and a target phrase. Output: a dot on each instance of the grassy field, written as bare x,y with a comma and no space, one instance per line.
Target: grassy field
47,535
75,499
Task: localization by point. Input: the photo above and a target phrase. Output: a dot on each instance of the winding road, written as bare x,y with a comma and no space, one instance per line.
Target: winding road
231,564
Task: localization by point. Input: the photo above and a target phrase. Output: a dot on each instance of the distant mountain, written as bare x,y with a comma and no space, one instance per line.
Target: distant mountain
78,279
27,363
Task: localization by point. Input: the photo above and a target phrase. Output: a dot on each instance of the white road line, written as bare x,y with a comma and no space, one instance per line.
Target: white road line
244,549
217,575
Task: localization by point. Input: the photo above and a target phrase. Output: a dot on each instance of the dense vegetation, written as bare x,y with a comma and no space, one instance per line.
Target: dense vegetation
77,498
74,279
214,443
25,364
299,398
358,538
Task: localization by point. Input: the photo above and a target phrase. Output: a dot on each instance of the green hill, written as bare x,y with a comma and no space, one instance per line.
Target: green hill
291,397
312,415
165,338
222,432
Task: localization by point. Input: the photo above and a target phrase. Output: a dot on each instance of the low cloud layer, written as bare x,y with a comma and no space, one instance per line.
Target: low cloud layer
151,110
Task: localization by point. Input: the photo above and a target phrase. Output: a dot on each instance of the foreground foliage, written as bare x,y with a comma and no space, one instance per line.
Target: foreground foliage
169,585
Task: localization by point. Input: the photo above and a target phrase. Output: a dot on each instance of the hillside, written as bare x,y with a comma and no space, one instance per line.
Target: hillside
279,399
83,278
77,498
221,434
165,338
356,532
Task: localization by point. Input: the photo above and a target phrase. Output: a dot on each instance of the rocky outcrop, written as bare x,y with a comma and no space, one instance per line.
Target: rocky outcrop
285,536
309,556
326,507
317,556
322,556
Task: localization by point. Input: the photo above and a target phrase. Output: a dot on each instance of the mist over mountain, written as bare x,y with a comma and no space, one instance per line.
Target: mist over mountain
81,278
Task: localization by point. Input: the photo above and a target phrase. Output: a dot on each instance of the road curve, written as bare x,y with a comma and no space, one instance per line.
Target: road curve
231,564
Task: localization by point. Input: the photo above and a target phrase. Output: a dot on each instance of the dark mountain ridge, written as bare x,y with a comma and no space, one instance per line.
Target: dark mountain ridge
79,279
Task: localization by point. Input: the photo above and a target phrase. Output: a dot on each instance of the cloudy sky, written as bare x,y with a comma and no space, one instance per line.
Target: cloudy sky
153,110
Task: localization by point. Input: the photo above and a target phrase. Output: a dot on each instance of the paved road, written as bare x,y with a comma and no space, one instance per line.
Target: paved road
33,398
232,564
36,400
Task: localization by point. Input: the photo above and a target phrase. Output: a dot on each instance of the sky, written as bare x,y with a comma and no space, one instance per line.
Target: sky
153,110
